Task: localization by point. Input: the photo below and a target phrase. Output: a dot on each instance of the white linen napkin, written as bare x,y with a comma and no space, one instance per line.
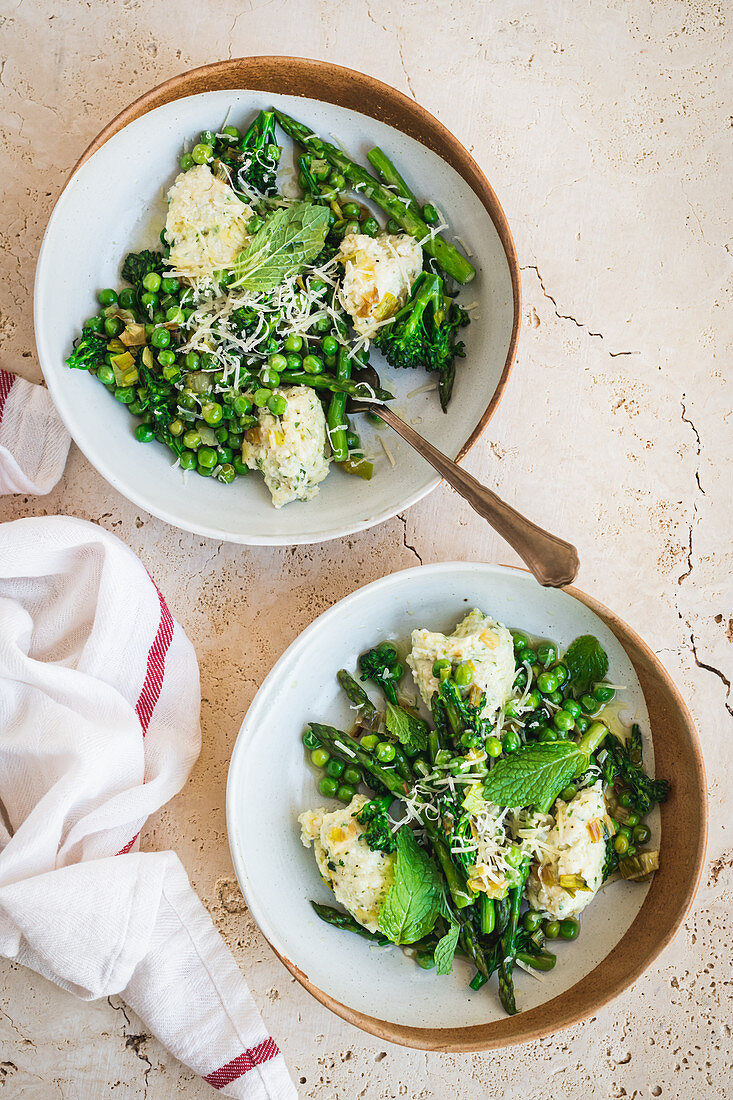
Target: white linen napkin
99,727
33,440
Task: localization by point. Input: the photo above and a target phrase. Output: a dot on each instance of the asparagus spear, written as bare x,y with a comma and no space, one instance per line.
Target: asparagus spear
348,923
360,699
336,416
509,944
445,254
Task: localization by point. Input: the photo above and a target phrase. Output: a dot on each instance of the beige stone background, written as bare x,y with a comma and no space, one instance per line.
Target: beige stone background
602,126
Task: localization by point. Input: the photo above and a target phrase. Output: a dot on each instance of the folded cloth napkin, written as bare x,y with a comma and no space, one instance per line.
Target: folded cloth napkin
99,727
33,440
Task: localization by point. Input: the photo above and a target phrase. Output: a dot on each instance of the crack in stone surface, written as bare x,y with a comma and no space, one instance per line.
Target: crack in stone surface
405,543
569,316
715,671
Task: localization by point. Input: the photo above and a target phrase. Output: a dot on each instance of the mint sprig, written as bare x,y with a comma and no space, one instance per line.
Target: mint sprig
411,906
587,662
535,774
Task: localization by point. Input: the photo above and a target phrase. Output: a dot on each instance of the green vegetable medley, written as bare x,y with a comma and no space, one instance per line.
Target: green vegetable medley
259,292
483,833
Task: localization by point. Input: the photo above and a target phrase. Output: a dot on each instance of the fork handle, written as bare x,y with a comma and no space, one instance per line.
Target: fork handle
553,561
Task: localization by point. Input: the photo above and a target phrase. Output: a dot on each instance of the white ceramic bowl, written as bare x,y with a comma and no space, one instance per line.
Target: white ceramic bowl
270,783
114,203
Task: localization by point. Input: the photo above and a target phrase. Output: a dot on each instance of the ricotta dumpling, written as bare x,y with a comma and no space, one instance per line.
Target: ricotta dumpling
359,877
291,451
378,276
575,846
206,225
477,638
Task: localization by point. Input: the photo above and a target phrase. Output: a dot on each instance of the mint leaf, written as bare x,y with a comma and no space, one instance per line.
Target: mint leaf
446,948
535,774
290,238
587,661
411,906
411,732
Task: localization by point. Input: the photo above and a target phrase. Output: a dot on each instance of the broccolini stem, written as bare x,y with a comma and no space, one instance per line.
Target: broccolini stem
330,737
544,960
445,254
593,737
488,915
360,390
360,699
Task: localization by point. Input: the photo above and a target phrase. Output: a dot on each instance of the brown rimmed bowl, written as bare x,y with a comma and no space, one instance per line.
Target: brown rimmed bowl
270,783
114,202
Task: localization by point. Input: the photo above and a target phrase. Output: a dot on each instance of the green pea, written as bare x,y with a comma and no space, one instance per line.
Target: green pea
369,742
603,693
224,455
330,345
269,378
166,358
386,752
370,226
552,929
430,214
176,427
186,162
136,409
546,734
631,850
532,920
337,181
311,741
470,740
201,153
161,338
511,741
345,793
582,723
187,460
521,641
572,707
546,653
240,466
261,397
556,698
621,844
294,361
125,394
569,929
191,439
561,673
144,433
352,776
352,227
352,441
113,326
441,665
277,404
563,720
312,364
533,700
493,746
528,656
242,405
175,315
95,324
569,793
169,284
159,317
588,704
351,210
546,682
335,768
128,298
232,132
107,297
328,786
293,342
206,457
106,374
393,226
624,799
149,301
152,281
463,675
641,834
212,412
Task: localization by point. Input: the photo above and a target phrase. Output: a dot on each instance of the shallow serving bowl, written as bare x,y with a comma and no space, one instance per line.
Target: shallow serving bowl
114,202
270,783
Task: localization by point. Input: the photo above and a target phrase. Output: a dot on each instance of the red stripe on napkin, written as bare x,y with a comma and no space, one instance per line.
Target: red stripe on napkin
243,1063
156,667
6,385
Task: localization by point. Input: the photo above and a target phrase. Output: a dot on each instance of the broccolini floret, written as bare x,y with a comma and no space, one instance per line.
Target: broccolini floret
382,666
378,826
89,351
624,763
423,333
139,264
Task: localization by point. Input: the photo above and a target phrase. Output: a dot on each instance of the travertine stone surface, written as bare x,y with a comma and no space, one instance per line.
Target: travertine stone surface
602,127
